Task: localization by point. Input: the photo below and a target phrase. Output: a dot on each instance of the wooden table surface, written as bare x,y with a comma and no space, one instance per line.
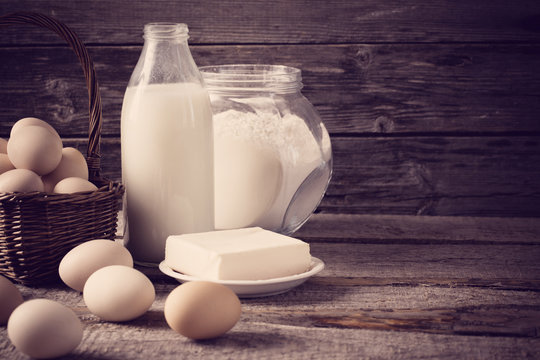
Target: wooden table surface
394,287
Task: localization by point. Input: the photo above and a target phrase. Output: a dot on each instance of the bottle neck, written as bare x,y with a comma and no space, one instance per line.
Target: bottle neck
165,32
165,57
252,78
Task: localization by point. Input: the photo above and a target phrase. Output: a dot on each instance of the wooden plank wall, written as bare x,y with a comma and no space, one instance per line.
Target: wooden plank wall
433,106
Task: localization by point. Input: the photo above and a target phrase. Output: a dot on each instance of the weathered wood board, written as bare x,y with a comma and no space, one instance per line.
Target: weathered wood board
419,175
432,107
287,22
456,296
358,89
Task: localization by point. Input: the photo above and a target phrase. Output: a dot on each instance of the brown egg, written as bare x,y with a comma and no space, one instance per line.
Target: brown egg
20,180
72,185
35,148
3,146
202,309
31,121
10,298
5,164
72,164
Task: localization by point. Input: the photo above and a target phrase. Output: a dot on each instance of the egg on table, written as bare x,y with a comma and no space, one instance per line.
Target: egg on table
44,329
10,298
118,293
202,309
85,259
20,180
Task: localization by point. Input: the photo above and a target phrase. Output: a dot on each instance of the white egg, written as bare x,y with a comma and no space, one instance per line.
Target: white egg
20,180
85,259
118,293
73,185
72,164
44,329
35,148
10,298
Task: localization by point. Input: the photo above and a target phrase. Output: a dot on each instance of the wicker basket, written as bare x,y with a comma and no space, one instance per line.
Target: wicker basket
37,229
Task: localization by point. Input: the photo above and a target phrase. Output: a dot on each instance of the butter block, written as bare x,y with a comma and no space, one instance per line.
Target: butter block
238,254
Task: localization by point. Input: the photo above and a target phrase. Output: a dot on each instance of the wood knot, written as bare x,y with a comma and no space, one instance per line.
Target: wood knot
62,107
422,177
383,124
363,58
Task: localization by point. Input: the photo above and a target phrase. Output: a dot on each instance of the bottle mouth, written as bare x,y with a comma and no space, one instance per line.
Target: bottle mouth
252,77
165,30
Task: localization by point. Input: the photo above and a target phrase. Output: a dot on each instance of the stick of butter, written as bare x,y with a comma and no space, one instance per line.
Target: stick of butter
238,254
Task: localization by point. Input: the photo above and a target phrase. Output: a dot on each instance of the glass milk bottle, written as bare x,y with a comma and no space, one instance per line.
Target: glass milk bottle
167,145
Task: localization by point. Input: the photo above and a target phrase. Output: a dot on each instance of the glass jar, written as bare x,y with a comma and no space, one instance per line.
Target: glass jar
272,153
167,145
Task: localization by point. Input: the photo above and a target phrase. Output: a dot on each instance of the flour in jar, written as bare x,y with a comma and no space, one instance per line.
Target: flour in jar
260,159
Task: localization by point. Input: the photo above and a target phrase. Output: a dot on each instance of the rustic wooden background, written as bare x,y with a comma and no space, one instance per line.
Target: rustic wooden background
433,106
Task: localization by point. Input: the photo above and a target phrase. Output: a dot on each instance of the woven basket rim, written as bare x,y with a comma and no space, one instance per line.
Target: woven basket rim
43,196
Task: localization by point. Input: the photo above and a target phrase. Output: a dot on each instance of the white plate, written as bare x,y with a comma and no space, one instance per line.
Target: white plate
255,288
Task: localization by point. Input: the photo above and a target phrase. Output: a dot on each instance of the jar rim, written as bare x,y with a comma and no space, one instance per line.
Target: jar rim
252,76
251,72
165,30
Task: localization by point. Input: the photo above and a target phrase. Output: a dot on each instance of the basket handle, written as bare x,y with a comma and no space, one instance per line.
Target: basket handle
94,101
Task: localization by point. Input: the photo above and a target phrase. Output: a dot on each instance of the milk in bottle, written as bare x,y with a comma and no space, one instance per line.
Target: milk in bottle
167,145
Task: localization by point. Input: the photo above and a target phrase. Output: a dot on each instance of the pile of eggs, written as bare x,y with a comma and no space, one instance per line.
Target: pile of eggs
114,291
34,159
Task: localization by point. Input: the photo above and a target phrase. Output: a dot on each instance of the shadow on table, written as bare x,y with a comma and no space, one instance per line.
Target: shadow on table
309,293
152,319
82,356
246,340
